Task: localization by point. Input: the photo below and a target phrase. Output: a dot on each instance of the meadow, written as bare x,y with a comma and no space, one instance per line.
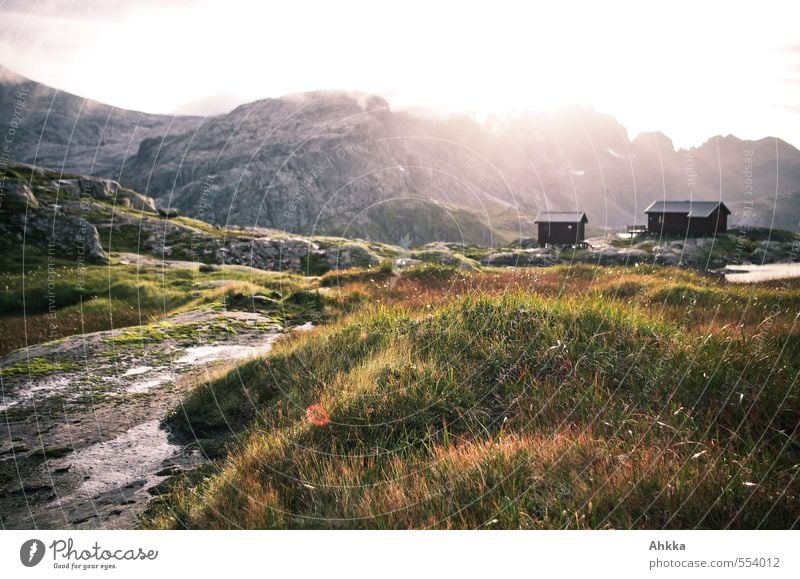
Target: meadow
572,396
563,397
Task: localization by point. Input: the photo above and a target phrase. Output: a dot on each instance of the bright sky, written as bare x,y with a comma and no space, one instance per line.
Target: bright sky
689,69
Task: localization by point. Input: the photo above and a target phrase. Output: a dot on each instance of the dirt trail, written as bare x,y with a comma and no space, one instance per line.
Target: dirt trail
82,444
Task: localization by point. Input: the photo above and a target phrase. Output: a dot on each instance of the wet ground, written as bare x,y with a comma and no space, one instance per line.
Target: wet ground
748,273
83,443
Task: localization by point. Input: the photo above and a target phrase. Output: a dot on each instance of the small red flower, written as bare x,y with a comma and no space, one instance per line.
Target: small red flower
317,415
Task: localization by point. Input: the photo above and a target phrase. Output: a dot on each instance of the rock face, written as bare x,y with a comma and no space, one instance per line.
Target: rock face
48,227
17,196
347,164
70,236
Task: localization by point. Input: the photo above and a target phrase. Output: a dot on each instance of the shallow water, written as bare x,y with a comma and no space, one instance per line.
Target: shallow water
754,273
135,454
206,354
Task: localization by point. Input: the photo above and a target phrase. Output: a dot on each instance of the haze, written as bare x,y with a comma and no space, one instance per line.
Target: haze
690,70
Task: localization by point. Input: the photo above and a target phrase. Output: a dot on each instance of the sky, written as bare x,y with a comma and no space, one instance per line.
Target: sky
688,69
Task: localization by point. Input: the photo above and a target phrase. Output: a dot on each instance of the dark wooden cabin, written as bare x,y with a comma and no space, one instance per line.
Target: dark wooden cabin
561,227
687,218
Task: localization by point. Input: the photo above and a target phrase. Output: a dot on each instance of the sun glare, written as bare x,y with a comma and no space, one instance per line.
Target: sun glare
690,70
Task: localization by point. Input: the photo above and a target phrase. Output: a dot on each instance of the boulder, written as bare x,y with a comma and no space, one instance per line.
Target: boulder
137,201
98,188
168,212
16,195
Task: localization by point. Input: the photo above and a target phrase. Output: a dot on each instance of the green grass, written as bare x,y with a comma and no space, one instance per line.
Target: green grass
511,407
46,304
35,367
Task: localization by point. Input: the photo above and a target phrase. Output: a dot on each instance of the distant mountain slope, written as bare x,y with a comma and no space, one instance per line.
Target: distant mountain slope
61,130
347,164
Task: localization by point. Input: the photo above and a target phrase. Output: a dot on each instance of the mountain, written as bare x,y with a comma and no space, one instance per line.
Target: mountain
340,163
58,129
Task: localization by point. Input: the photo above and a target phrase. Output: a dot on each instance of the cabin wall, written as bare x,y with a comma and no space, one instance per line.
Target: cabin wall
680,224
561,233
718,222
667,223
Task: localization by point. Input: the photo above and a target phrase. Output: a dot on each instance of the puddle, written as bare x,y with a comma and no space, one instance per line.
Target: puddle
206,354
754,273
136,454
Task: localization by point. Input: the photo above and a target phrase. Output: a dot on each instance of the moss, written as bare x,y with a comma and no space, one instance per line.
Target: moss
185,333
38,367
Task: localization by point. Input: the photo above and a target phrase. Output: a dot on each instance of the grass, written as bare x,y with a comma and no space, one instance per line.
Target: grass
47,304
570,397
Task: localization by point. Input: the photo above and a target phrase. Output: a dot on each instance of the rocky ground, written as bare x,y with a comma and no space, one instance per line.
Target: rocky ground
85,445
88,218
734,247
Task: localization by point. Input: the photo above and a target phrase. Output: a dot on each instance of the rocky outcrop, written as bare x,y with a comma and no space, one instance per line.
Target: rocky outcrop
295,254
545,257
16,196
274,254
58,234
535,258
104,190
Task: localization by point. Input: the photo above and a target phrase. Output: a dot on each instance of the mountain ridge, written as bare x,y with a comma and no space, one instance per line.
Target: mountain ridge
346,163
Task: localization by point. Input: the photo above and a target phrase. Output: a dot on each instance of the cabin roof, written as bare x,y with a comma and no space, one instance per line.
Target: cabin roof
688,208
561,217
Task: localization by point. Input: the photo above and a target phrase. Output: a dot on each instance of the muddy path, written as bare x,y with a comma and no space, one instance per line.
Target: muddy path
82,442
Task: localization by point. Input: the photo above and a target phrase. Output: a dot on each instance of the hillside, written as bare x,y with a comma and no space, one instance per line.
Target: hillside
347,164
574,397
442,385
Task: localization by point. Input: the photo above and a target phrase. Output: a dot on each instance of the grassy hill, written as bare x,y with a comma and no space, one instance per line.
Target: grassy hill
572,397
